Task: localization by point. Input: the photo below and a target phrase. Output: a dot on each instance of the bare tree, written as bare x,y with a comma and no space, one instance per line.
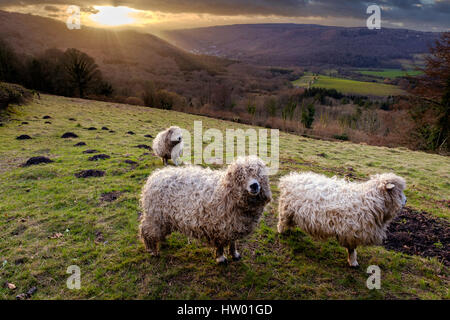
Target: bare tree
432,90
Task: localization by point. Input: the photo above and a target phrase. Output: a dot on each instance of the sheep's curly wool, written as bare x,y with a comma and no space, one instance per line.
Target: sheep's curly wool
215,206
168,144
354,213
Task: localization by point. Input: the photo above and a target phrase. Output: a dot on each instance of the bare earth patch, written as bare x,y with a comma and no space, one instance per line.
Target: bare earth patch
37,160
90,173
110,196
419,233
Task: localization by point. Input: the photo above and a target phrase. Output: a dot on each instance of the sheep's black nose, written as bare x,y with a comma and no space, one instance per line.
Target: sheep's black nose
254,187
179,139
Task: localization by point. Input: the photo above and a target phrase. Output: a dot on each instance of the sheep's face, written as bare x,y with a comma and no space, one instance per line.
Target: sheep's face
248,179
393,187
175,136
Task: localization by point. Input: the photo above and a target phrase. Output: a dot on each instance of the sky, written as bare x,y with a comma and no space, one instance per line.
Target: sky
157,15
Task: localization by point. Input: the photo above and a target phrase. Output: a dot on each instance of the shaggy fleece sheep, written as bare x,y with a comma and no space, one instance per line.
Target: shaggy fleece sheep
168,144
354,213
218,206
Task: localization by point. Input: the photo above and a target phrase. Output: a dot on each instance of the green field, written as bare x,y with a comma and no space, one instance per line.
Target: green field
49,219
390,73
347,86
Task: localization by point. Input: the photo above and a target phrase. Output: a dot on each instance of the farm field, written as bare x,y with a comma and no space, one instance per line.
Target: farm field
347,86
50,219
390,73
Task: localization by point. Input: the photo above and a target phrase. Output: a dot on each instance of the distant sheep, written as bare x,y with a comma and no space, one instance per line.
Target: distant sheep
218,206
168,144
353,213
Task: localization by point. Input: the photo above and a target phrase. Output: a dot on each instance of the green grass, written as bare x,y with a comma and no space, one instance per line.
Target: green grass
390,73
347,86
38,201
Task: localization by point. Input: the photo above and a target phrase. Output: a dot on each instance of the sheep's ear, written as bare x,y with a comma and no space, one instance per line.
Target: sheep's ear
390,186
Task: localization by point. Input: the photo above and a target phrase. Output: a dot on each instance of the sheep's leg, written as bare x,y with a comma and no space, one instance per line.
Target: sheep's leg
151,245
284,222
149,238
233,251
220,258
352,257
165,161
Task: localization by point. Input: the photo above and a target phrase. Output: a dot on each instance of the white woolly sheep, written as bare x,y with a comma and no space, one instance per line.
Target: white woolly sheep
168,144
354,213
218,206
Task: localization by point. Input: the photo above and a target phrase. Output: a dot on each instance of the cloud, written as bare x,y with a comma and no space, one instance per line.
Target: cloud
410,13
51,8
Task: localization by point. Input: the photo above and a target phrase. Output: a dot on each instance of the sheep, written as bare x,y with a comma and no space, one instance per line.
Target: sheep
168,144
354,213
217,206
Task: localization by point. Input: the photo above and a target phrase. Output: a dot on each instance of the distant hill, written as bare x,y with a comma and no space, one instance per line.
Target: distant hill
304,45
123,56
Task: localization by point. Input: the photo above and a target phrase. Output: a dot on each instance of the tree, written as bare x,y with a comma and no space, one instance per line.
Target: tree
81,69
308,115
431,93
10,67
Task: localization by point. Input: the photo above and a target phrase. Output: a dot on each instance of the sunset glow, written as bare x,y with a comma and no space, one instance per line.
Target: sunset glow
113,16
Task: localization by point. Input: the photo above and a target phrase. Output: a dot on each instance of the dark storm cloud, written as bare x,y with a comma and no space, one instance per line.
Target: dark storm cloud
410,13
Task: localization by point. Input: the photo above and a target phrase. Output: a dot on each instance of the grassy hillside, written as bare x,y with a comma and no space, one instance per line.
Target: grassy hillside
349,86
49,219
390,73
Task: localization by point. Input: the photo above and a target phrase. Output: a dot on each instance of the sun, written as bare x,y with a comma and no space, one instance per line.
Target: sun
113,16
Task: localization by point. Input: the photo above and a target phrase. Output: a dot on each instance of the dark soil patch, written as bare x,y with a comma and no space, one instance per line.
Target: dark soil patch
72,119
24,122
48,122
69,135
90,173
37,160
148,136
110,196
419,233
112,131
19,230
24,296
20,261
23,137
99,238
92,128
131,162
323,155
130,132
46,117
80,144
90,151
99,157
105,128
144,146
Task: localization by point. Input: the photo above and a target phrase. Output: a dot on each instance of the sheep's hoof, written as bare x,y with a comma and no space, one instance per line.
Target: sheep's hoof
153,253
354,265
237,257
222,261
